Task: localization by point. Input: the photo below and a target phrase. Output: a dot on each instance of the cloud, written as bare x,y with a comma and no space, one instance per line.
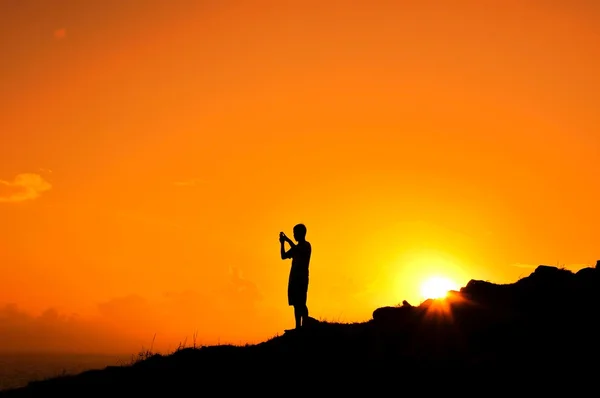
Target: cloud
21,331
226,312
579,266
60,34
188,183
241,289
147,220
572,267
121,308
23,187
527,266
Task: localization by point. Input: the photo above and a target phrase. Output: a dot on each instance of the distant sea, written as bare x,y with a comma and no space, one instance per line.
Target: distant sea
16,370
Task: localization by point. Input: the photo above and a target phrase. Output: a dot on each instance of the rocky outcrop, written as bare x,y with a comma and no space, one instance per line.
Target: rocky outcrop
387,314
546,290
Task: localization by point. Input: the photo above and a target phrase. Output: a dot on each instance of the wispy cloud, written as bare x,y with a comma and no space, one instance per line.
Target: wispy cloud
147,220
572,267
188,183
60,34
241,288
527,266
23,187
579,266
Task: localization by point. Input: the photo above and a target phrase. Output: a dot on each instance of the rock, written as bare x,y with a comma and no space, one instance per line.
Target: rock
310,322
547,271
389,314
586,273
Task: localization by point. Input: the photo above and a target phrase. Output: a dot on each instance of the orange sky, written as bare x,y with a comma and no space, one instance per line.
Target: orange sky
153,150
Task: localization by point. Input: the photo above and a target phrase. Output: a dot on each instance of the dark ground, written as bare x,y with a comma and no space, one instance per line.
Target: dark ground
538,335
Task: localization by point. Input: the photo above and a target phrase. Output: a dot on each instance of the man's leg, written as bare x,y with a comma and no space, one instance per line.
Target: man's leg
304,315
304,307
298,312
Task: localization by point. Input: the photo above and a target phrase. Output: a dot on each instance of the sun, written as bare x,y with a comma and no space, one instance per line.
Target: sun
437,287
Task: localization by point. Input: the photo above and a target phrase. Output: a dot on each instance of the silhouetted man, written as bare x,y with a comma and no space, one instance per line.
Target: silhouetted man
298,283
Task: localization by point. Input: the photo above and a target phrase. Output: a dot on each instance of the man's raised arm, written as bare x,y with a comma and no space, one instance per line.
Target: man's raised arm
282,241
283,253
288,240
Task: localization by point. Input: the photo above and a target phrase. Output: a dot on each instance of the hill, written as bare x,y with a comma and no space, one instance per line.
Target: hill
540,331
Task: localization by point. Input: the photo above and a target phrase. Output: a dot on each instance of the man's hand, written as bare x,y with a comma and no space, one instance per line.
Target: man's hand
282,237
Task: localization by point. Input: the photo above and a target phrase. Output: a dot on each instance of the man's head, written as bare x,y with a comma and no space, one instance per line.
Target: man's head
299,232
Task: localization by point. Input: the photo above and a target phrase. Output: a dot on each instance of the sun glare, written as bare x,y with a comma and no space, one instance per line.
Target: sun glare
437,287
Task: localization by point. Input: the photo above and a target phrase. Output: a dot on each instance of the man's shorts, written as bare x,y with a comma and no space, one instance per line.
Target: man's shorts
297,291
